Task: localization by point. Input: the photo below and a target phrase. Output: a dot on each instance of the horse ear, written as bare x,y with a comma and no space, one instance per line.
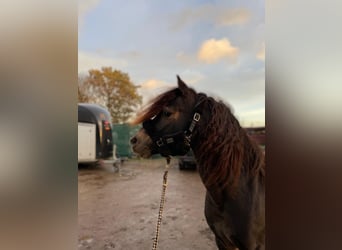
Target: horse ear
181,85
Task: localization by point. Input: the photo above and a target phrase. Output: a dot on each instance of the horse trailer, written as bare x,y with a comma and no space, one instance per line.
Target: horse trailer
94,133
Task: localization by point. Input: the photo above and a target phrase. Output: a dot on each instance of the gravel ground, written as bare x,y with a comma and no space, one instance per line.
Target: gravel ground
118,209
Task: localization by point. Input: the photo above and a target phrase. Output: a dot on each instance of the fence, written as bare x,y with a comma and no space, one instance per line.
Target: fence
121,136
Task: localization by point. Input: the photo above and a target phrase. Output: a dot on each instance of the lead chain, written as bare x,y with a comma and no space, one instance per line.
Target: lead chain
161,205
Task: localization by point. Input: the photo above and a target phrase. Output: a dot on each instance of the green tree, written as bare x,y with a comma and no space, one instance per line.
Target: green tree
113,89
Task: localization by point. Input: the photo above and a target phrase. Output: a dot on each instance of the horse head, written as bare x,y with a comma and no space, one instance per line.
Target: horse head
167,123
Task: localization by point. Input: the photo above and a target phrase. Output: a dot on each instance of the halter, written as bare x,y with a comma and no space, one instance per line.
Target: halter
165,143
186,135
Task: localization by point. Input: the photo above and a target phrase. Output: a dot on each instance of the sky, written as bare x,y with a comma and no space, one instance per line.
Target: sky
216,47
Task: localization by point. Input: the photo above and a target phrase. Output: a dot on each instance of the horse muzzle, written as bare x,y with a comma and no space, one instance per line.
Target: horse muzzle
142,144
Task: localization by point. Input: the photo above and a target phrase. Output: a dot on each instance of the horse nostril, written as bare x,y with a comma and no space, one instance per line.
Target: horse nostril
134,140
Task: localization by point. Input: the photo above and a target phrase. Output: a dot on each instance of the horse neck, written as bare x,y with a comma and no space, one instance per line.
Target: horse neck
214,128
222,148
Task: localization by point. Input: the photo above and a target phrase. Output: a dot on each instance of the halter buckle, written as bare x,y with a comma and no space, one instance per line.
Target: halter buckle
169,140
160,142
196,117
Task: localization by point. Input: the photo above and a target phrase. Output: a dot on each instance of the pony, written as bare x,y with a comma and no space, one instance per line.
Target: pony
230,164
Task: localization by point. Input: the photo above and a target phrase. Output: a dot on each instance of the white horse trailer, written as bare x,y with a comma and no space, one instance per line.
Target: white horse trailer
86,142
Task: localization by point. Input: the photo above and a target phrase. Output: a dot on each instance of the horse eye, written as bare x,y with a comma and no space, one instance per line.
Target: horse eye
167,113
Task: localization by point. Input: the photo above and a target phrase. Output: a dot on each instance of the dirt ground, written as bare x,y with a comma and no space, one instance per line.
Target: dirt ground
118,209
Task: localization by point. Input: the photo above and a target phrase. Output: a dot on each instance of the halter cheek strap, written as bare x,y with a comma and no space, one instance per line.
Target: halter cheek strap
188,134
184,136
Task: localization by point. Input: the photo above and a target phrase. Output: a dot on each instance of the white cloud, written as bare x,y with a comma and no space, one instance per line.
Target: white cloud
153,87
212,51
152,84
88,61
156,86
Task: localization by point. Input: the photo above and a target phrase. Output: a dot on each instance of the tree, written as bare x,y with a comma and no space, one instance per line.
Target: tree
112,89
82,93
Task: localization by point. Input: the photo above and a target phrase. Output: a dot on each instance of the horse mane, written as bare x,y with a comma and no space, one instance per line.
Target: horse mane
225,151
155,106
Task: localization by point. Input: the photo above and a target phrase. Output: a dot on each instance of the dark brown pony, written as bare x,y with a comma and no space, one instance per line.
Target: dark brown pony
231,166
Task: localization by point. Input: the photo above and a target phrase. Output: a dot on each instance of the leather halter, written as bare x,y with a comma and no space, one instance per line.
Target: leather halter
165,143
187,134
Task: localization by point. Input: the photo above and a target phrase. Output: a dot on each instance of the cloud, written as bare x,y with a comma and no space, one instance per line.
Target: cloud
85,6
88,61
152,84
212,51
153,87
261,53
218,15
